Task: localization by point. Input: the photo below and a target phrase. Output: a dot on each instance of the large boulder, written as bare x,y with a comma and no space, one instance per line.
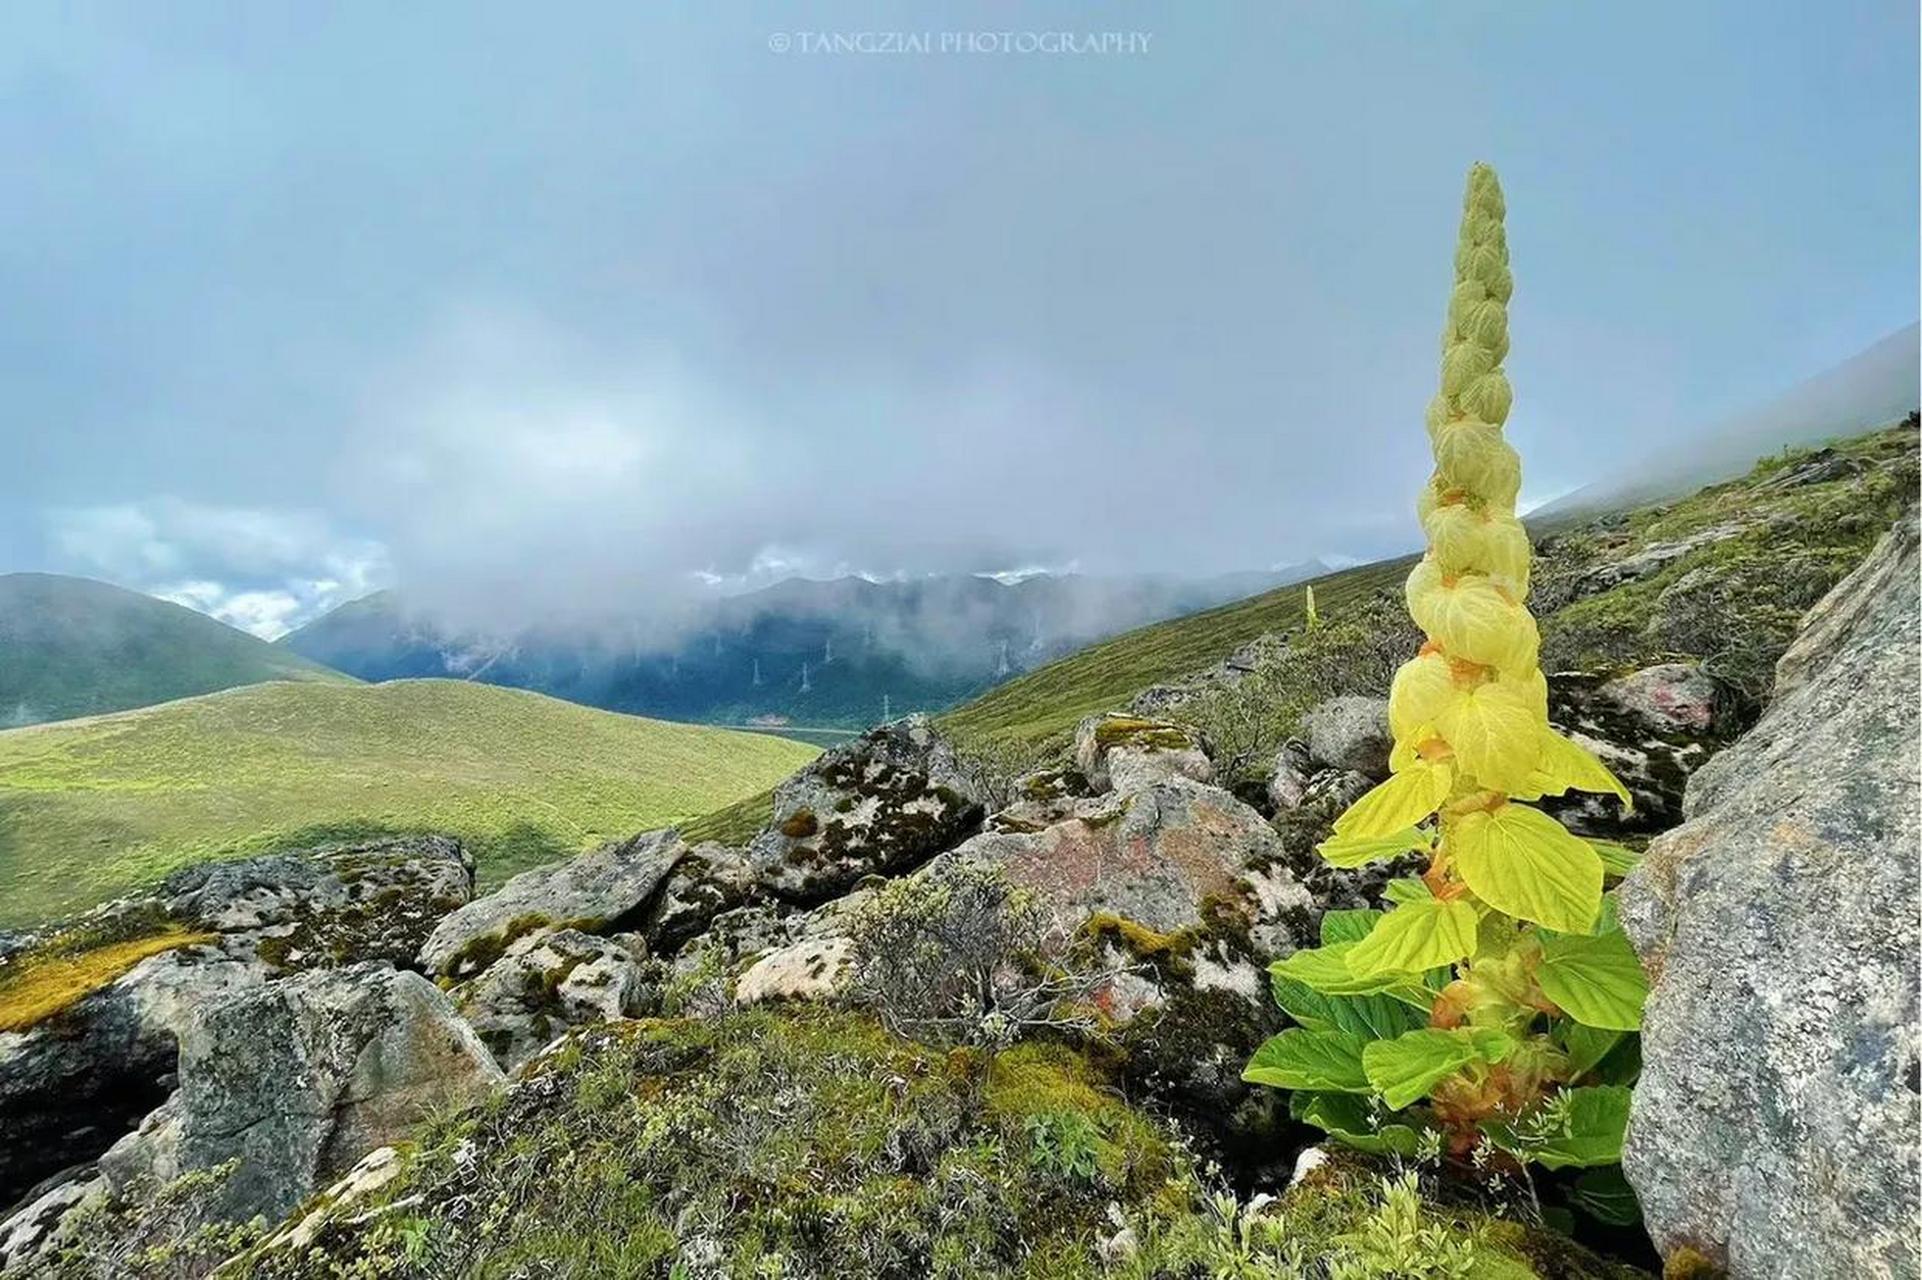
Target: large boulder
595,892
296,1080
547,982
1775,1129
74,1083
881,804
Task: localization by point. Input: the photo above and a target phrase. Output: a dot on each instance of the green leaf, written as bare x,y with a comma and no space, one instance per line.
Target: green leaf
1406,889
1595,979
1298,1059
1325,969
1591,1135
1417,936
1377,1017
1521,861
1347,926
1403,1070
1585,1046
1604,1194
1347,1119
1359,851
1569,765
1617,859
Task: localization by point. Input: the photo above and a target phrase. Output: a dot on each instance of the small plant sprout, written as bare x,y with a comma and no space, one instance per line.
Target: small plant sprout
1487,1004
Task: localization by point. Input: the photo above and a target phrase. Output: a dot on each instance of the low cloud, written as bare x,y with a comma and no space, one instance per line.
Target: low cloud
262,570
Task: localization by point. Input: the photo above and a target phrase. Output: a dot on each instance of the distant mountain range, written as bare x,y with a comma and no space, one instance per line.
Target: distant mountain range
75,647
841,653
1870,389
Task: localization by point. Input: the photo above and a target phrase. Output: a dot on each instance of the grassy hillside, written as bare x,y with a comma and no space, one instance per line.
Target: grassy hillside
94,807
75,647
1047,703
1751,555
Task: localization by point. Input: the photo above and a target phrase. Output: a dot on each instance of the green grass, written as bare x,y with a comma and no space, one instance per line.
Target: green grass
1046,704
74,647
93,808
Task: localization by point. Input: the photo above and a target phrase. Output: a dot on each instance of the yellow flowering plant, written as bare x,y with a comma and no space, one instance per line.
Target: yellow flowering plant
1489,1012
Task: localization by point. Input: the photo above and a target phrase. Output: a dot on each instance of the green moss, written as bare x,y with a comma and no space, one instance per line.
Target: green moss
479,953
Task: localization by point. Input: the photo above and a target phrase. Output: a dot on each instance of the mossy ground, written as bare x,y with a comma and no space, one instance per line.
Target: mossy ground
41,983
809,1143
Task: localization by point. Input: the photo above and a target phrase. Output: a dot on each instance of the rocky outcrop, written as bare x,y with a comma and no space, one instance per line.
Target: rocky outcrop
1775,1127
297,1080
881,804
1125,753
595,892
72,1085
546,983
327,906
709,880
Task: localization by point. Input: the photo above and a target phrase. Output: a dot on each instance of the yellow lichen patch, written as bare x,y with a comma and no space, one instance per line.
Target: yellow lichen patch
35,987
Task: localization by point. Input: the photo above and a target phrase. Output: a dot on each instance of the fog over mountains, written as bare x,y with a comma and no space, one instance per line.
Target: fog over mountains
839,653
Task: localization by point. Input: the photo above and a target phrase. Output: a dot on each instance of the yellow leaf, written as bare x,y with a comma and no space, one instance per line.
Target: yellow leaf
1359,851
1416,936
1521,861
1423,686
1495,735
1472,618
1565,765
1401,802
1470,454
1464,540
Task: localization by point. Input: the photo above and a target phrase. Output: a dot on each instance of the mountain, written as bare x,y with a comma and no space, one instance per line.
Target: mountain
845,652
1873,387
75,647
92,808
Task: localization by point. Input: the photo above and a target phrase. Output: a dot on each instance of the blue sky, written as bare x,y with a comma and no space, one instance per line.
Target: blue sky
528,308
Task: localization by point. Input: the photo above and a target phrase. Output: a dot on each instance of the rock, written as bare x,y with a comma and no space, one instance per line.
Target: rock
547,982
709,880
43,1221
1819,467
881,804
595,892
1350,732
1774,1129
1653,728
813,969
1649,560
297,1080
1125,753
1288,785
72,1085
326,906
342,1200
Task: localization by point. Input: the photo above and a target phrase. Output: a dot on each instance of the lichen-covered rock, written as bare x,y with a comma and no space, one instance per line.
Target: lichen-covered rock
1288,783
1350,732
595,892
709,880
1775,1127
881,804
547,982
1653,728
813,969
44,1221
73,1084
297,1079
1167,857
331,905
1125,753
